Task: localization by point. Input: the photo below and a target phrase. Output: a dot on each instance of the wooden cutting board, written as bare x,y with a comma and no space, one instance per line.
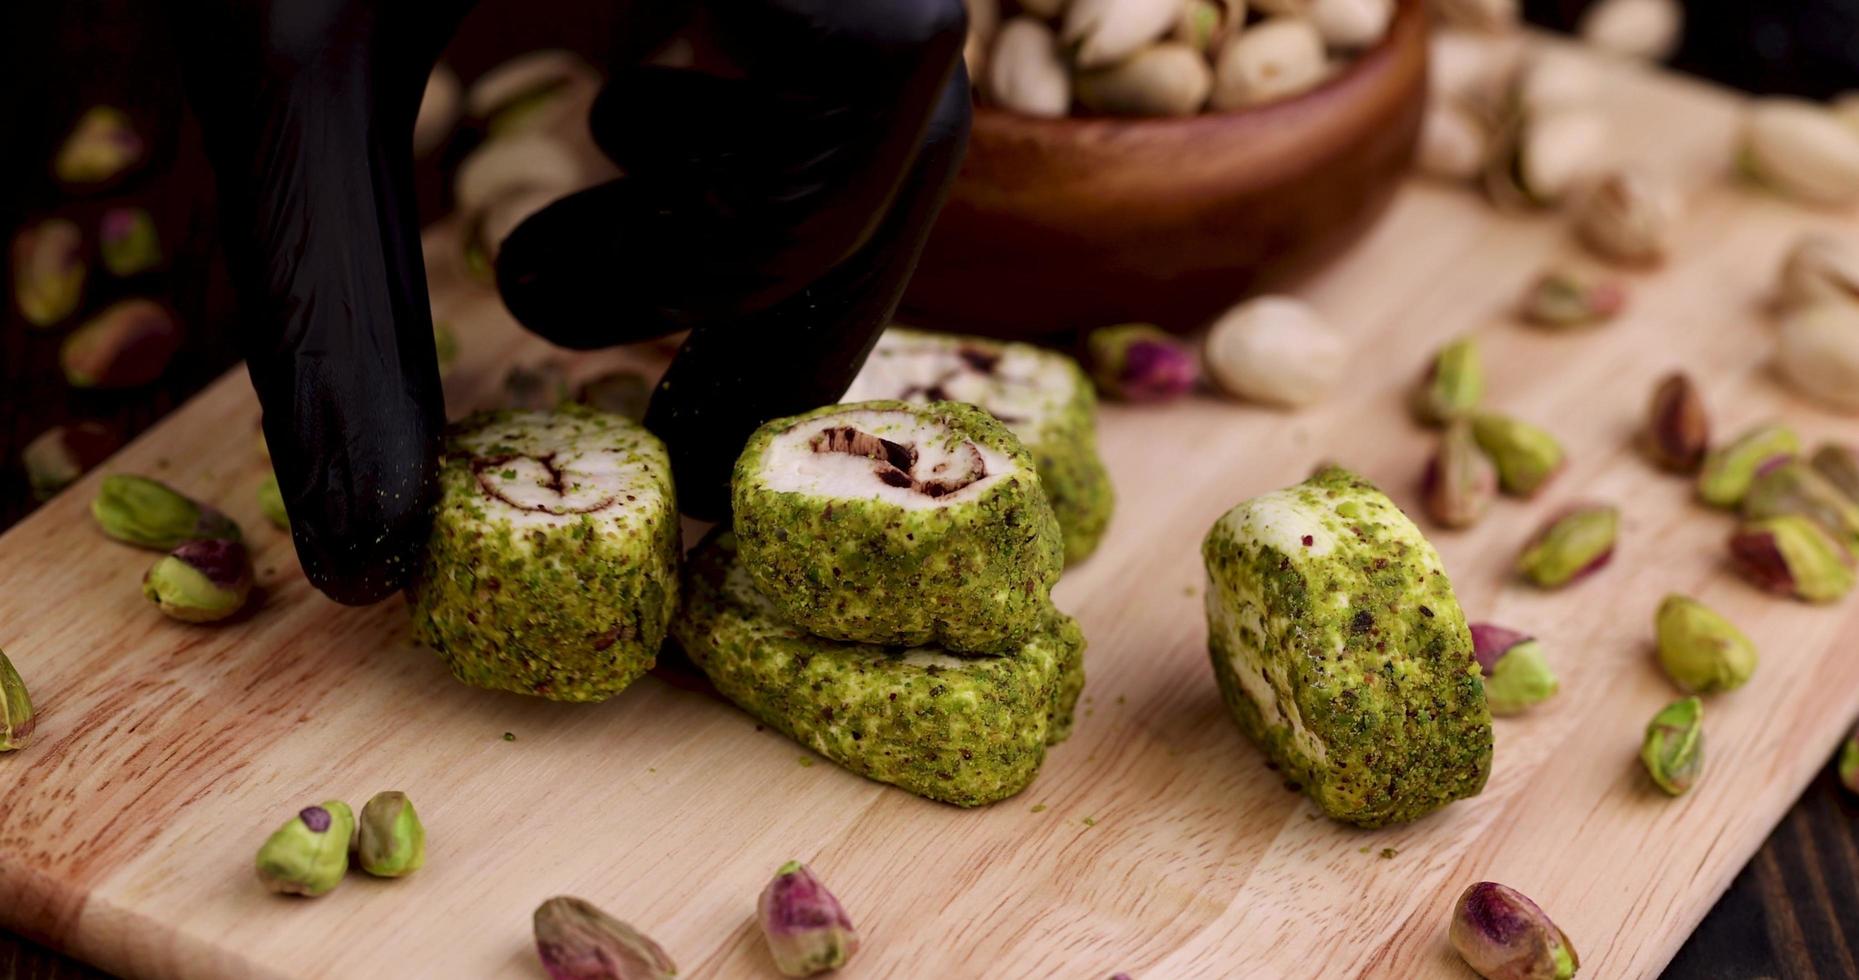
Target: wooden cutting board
1155,841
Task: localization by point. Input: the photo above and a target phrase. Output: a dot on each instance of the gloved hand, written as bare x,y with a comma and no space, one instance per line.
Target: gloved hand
776,213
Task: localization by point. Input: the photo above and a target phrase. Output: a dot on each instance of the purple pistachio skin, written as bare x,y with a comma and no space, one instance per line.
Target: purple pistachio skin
1504,936
807,930
577,941
1136,362
1490,643
314,817
223,562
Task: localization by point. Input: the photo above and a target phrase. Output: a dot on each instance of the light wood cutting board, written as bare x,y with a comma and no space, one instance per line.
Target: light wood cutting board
1155,841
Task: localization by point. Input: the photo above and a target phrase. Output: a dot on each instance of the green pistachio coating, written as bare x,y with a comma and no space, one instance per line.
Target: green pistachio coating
310,853
970,570
967,730
1040,394
140,511
15,708
390,841
552,568
1673,752
1700,650
1731,468
1342,652
1526,456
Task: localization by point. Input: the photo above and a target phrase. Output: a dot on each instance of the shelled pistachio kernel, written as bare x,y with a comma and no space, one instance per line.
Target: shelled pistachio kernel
577,941
271,502
1517,676
1673,751
1502,935
1678,430
310,853
150,514
1628,217
1566,296
16,716
200,581
1729,469
1460,480
1840,465
390,841
807,930
1571,547
1527,457
1793,556
1797,487
1701,651
1452,385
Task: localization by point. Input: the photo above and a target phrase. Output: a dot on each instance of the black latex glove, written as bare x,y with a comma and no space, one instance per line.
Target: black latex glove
776,213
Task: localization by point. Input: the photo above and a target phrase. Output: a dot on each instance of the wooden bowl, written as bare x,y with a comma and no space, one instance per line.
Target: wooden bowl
1056,225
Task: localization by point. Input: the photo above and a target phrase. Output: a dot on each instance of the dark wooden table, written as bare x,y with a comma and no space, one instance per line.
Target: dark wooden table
1793,912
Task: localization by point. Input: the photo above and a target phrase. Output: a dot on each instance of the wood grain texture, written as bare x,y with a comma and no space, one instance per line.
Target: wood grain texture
1164,847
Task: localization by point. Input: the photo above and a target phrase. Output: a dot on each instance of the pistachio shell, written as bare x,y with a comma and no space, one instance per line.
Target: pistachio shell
1205,25
1453,142
1479,15
1557,150
1647,29
1818,268
1103,32
1273,60
1026,71
983,21
1276,350
1352,24
1803,151
1627,217
1166,79
1817,352
439,107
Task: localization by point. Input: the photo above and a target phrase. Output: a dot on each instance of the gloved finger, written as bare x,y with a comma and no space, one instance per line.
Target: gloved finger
732,375
307,109
739,192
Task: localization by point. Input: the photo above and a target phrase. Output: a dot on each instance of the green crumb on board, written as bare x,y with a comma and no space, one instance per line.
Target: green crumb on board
1388,853
806,761
1090,821
1039,808
509,736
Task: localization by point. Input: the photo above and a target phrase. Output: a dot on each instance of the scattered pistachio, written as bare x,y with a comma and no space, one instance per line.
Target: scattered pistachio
1104,32
200,581
1276,350
48,271
439,106
1728,470
140,511
1802,150
620,392
1527,457
1647,29
1796,487
577,941
444,346
1205,25
1849,763
1677,426
1553,80
1572,546
1565,296
1453,142
1674,748
1460,481
1541,156
310,853
1817,352
807,930
271,502
390,842
1026,70
1452,385
1167,79
1818,269
1502,935
16,721
101,147
55,458
1701,651
1627,217
1517,677
127,238
1271,60
983,20
534,91
485,230
1140,362
541,388
1479,15
1793,556
126,345
1351,24
1840,465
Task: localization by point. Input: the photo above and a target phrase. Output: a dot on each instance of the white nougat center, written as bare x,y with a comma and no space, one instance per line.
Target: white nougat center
793,464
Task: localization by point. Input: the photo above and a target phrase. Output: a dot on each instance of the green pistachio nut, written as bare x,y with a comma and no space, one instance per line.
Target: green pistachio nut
1460,481
1840,465
1674,748
271,502
444,346
1453,384
1793,556
1502,935
127,345
48,271
200,581
1849,763
1572,546
128,241
1568,297
1730,469
15,708
149,514
1700,650
1796,487
577,941
390,840
310,853
100,148
1517,677
1140,362
1526,456
55,458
